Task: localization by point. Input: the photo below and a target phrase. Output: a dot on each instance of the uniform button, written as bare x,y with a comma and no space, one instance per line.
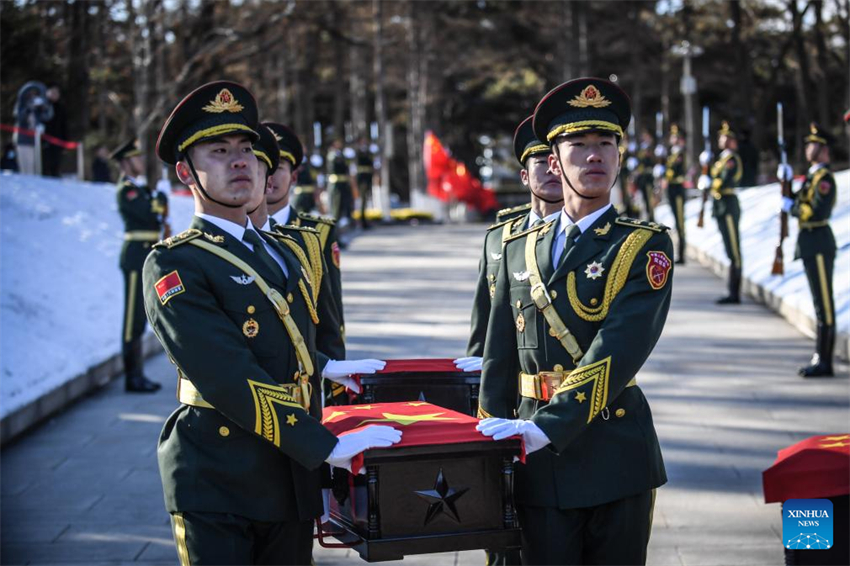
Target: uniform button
518,304
559,367
289,298
593,301
224,431
553,294
620,413
251,309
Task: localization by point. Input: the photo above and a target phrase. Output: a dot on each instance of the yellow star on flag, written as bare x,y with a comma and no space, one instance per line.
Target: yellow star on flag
365,407
334,415
417,403
408,419
835,445
581,397
291,420
842,437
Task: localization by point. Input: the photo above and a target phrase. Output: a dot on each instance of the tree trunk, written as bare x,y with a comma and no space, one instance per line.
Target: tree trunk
415,134
824,108
802,77
380,104
77,93
745,75
565,40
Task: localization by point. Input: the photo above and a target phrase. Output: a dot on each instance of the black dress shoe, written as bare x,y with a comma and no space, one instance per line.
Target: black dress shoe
680,261
729,301
817,370
141,384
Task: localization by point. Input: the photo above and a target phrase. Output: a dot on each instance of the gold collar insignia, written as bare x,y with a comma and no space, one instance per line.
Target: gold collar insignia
214,239
604,230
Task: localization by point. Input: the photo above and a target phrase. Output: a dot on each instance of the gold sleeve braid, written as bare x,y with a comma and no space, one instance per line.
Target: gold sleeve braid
596,374
314,254
311,298
266,423
617,277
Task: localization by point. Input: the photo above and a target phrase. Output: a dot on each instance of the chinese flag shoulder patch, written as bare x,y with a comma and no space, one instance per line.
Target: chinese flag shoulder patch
824,187
657,269
335,254
169,286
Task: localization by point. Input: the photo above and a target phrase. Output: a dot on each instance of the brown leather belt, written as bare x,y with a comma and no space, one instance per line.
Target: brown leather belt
542,386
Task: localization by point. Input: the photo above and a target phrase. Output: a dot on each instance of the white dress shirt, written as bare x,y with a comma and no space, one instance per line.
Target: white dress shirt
282,215
564,223
533,217
238,232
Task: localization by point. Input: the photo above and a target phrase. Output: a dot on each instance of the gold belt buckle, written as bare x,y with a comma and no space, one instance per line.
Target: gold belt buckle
548,382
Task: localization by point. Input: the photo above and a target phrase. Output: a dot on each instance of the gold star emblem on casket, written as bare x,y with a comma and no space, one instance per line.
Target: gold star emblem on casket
408,419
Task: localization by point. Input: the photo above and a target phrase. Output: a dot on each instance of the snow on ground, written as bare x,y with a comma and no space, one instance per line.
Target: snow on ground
759,236
61,291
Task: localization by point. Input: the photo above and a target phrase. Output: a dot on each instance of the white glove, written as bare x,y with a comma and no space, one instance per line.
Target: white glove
163,186
472,363
341,371
705,158
658,171
326,503
353,443
787,203
499,429
704,182
784,172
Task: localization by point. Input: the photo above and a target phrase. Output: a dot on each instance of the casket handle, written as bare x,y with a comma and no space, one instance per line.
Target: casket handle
321,534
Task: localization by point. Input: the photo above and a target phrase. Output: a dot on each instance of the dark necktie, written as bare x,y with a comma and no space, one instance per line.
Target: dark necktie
573,232
262,254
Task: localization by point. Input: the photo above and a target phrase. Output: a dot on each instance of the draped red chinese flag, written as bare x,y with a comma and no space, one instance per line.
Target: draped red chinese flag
450,180
814,468
420,423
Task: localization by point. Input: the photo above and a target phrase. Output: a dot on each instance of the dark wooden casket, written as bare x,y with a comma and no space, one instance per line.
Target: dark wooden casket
424,496
437,381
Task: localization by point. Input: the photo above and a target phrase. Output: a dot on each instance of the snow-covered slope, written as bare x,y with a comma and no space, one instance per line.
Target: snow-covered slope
61,292
789,294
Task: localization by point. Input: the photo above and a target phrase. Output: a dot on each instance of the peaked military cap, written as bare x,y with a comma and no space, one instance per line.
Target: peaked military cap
266,148
818,135
130,148
726,130
526,143
214,110
676,130
290,146
581,106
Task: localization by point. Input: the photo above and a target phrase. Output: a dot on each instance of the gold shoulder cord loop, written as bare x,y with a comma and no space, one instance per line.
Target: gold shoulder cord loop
310,298
616,278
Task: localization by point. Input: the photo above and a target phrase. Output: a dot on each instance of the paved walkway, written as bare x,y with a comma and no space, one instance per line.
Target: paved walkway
84,487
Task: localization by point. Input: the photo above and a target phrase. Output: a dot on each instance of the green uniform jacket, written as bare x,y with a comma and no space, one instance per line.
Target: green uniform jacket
329,341
141,210
256,454
617,317
813,206
725,177
330,248
488,268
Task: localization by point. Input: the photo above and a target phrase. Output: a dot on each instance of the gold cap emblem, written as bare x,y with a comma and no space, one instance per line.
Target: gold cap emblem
224,102
813,128
589,97
274,133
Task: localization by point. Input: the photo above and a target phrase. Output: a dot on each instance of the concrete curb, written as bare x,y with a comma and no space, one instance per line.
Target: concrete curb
95,377
798,319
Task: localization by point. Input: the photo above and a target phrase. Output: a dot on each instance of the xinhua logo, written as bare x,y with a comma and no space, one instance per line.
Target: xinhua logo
807,524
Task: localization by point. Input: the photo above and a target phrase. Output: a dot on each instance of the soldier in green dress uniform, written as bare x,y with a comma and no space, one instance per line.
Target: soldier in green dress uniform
306,189
234,310
643,173
546,202
723,183
365,172
339,184
674,181
812,206
143,212
579,304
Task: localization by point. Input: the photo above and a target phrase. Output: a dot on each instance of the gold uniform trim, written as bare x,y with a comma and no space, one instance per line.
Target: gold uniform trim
311,297
141,236
815,224
131,306
288,156
214,131
482,414
262,155
733,237
584,125
596,374
680,208
533,149
617,276
180,539
824,289
265,395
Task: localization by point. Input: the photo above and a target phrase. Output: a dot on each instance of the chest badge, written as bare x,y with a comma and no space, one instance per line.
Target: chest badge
243,279
251,328
520,323
522,275
594,270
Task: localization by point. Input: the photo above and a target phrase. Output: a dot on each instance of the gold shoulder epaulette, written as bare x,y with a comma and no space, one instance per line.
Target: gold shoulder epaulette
500,224
181,238
314,218
296,228
635,223
543,228
513,209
